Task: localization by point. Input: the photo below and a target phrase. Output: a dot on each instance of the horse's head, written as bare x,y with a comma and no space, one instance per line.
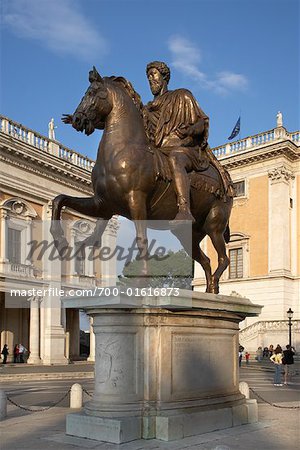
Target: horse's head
94,106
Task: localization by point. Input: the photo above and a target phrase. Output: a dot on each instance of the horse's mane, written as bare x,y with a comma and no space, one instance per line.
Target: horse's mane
129,89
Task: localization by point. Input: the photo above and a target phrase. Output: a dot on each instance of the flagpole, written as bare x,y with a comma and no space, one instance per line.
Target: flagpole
240,124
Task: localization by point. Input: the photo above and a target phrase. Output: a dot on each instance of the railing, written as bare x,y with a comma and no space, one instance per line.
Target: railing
267,325
18,131
19,270
256,141
80,280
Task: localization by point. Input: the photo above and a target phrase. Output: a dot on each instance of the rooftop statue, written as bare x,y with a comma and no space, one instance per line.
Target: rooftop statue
51,129
153,163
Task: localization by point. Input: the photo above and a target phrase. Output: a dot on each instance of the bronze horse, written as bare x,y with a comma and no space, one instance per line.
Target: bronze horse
124,178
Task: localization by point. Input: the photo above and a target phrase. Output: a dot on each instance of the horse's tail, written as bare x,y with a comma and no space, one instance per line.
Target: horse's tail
227,234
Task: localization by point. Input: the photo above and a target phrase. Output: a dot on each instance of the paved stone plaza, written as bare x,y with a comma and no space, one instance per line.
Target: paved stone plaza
278,427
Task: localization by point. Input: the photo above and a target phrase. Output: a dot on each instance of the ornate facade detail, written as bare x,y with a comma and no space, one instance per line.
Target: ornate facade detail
281,173
83,227
18,208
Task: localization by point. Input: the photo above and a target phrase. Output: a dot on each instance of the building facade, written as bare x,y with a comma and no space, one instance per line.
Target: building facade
264,247
34,169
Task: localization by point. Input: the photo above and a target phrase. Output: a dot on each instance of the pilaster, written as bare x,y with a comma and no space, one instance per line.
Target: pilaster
279,220
109,268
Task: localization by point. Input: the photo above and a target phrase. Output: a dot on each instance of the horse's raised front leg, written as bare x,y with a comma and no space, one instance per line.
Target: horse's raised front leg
85,205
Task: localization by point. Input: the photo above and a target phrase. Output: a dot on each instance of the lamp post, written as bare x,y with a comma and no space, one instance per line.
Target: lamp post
290,315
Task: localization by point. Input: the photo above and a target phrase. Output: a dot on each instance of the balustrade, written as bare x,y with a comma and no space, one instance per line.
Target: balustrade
267,325
252,142
17,269
18,131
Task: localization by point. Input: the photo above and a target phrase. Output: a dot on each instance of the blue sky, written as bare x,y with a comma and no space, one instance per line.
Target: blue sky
234,55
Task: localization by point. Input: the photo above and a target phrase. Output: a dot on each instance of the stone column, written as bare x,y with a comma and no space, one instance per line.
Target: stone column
91,357
279,221
109,268
54,334
3,213
72,260
74,329
34,332
28,238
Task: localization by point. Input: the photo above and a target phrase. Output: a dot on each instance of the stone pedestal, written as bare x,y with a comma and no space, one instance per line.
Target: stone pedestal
166,367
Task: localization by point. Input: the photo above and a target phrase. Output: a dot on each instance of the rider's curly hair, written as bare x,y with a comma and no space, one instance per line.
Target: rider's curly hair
161,67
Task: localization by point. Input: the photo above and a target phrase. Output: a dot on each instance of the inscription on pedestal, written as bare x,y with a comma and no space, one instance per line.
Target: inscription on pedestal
200,364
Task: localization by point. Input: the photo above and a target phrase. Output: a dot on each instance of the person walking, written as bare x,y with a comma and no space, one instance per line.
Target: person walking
276,359
241,351
5,353
247,357
259,354
266,352
16,353
287,361
22,351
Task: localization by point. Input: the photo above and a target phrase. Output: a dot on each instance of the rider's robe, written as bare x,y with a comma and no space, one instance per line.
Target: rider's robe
167,117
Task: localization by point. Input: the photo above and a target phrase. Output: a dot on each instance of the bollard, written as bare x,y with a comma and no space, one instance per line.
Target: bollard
76,396
244,389
3,405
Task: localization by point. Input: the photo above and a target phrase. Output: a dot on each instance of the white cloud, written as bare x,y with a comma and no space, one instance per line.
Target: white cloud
232,80
57,24
186,57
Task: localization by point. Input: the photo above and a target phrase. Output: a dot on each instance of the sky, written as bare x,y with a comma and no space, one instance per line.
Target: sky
238,57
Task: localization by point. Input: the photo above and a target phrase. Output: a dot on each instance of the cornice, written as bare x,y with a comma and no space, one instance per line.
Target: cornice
29,154
285,149
60,175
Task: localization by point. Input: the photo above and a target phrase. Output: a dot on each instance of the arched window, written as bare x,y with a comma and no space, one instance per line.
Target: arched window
16,222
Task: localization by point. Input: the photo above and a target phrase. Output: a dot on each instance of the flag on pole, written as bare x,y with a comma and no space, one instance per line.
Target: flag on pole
236,129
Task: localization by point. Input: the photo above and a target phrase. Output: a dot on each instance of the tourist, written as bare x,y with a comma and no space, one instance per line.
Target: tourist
16,354
276,359
259,354
287,361
5,352
247,357
241,350
266,352
22,351
271,350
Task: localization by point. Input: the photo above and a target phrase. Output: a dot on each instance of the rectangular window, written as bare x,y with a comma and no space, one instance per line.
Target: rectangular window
14,246
236,263
239,188
79,260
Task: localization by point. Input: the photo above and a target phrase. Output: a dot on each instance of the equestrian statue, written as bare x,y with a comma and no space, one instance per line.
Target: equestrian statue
153,163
